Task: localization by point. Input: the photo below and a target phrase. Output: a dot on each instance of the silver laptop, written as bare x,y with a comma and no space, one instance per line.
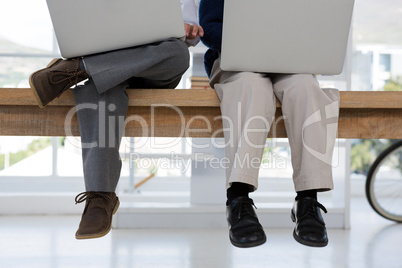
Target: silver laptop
286,36
84,27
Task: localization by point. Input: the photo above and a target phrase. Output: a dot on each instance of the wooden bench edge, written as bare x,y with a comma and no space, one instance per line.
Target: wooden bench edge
202,98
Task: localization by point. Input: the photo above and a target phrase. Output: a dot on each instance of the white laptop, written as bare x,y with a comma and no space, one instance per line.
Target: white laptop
286,36
84,27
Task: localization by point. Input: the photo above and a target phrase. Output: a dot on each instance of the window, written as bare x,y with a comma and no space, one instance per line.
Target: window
377,43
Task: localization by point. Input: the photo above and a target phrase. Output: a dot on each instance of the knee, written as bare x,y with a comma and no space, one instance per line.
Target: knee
307,81
248,77
248,83
180,56
303,85
252,90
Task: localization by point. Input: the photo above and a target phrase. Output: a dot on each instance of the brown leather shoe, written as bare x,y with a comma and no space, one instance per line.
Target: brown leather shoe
59,75
96,219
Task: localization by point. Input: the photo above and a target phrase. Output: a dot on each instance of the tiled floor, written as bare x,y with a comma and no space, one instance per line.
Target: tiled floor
48,242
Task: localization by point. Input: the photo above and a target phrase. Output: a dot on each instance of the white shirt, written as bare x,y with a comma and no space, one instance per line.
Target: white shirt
189,10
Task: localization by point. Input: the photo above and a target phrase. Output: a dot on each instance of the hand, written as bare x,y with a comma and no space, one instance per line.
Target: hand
192,31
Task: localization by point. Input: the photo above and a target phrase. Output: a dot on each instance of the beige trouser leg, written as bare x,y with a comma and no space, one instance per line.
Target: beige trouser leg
248,108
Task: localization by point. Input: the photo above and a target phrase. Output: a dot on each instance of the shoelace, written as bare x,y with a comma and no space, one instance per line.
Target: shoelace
310,210
321,206
89,195
245,210
68,75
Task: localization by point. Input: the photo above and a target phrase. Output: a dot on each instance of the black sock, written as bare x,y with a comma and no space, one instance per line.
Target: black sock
237,189
307,193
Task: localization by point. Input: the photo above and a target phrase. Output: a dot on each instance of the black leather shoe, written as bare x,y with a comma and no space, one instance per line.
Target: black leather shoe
310,226
244,228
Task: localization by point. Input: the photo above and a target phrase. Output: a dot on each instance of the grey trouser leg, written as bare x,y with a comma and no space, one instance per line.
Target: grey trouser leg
159,61
102,102
248,107
101,119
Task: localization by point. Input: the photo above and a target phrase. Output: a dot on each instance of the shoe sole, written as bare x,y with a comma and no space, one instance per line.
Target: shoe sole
249,245
304,242
98,235
35,92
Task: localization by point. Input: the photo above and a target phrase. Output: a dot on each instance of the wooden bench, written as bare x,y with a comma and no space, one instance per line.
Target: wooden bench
362,114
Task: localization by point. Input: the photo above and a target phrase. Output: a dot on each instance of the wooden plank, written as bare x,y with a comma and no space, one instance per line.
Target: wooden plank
34,121
176,97
370,123
200,98
162,121
362,115
137,97
371,99
195,122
